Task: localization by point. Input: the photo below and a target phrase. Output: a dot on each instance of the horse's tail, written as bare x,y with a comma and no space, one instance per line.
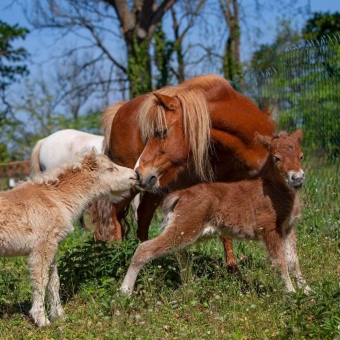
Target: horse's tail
101,215
106,125
35,163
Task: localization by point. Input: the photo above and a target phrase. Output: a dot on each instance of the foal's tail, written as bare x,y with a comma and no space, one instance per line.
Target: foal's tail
107,119
35,163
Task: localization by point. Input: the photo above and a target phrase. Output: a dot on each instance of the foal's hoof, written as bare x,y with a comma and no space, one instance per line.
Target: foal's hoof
126,290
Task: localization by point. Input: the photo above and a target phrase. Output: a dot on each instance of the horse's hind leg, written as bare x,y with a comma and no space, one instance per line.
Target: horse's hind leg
289,242
39,261
231,263
57,311
171,239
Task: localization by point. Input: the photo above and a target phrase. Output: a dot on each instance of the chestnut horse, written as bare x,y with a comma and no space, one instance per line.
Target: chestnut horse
181,135
262,209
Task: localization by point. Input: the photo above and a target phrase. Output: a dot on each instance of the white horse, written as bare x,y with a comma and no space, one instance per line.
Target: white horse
65,146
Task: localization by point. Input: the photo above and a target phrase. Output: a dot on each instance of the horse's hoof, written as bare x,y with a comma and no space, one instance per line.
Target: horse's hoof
233,269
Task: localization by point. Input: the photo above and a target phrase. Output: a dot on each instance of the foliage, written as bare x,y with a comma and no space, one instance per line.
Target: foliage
12,59
139,68
12,68
321,25
163,52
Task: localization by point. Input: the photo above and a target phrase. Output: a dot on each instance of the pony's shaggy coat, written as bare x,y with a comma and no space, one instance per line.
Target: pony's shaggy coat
264,208
37,215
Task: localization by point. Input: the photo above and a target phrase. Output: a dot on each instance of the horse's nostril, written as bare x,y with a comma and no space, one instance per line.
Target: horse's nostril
152,180
139,176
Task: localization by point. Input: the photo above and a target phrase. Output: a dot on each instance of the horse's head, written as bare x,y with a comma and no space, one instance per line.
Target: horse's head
285,156
172,134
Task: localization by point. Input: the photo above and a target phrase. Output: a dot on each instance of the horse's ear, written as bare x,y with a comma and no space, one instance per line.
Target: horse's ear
93,155
266,141
170,103
298,134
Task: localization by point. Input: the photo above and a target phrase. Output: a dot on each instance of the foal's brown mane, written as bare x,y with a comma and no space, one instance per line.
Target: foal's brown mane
106,125
88,161
196,117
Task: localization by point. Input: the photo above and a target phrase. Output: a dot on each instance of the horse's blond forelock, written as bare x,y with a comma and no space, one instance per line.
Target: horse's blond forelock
107,118
196,118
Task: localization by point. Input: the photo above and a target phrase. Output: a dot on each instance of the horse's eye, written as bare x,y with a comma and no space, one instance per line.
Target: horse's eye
161,133
301,156
276,159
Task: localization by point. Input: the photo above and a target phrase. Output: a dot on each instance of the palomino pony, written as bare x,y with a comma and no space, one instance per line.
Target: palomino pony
263,209
181,135
37,215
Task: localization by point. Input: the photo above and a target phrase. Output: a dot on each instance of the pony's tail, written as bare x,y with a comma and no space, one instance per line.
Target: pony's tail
106,125
35,163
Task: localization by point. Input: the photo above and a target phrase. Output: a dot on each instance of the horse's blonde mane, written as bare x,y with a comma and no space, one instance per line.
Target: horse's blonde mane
106,124
196,117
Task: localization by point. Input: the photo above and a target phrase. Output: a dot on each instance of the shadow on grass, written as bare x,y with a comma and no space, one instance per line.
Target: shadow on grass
98,260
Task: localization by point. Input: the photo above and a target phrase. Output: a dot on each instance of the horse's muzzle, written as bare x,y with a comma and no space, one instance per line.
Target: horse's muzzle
296,179
147,183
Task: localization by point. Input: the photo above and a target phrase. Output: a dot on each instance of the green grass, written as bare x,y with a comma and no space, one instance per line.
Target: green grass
211,304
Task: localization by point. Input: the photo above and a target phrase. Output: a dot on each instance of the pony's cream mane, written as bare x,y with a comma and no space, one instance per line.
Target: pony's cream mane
196,117
106,124
53,176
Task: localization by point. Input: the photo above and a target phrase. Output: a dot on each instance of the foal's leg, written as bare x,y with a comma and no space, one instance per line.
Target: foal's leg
40,260
231,263
169,240
57,311
289,242
274,244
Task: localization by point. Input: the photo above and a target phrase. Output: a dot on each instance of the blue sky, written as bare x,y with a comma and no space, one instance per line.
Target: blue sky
41,47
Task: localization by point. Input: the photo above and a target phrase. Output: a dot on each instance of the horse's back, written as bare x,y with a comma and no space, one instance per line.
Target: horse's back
66,146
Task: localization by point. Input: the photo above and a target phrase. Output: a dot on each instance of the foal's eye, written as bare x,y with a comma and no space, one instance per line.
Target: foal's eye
276,159
161,133
111,168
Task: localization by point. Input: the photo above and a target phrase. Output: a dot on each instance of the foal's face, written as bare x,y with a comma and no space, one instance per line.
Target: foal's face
286,154
114,179
166,151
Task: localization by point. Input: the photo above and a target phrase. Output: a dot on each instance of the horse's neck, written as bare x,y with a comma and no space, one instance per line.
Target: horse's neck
75,192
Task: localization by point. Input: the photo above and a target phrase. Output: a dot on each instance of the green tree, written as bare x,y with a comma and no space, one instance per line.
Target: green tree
321,25
12,68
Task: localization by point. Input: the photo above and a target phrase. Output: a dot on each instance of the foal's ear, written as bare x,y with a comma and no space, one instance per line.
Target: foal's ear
298,134
170,103
93,154
266,141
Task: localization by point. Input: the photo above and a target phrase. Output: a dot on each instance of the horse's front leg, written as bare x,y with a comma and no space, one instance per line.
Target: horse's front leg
231,263
289,241
275,247
146,210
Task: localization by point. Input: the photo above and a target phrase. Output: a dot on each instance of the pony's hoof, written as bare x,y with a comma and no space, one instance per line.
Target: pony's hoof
233,269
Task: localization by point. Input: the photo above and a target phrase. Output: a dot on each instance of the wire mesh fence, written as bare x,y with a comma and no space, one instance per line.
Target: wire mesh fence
302,89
